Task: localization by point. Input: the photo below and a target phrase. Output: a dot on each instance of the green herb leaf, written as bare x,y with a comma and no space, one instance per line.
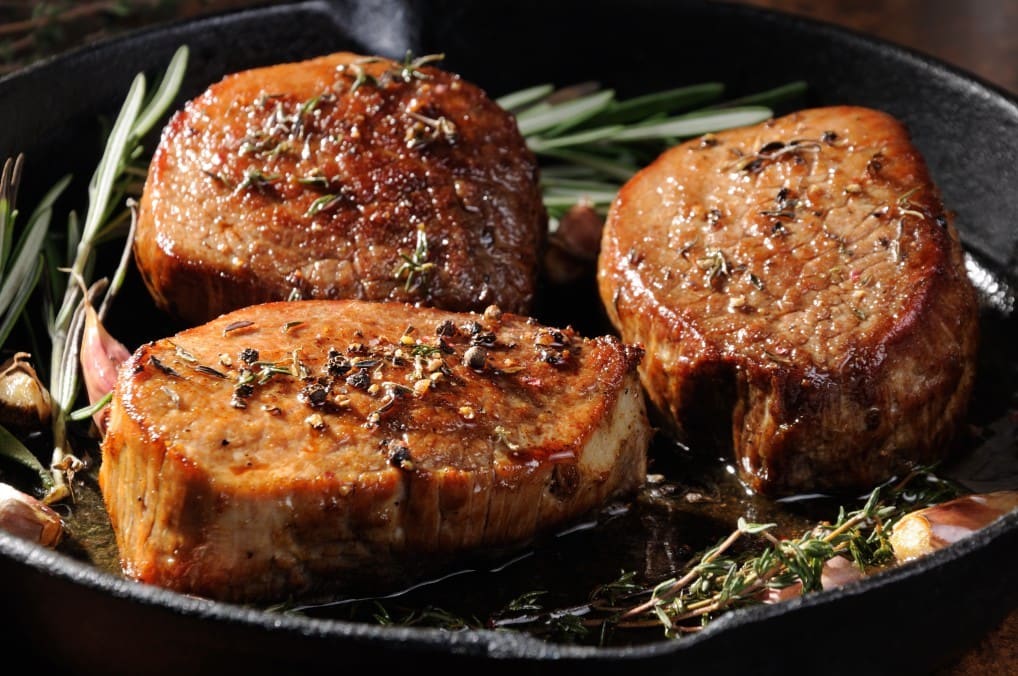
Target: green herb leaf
534,121
538,144
525,97
12,448
696,124
87,412
770,97
670,101
754,528
22,277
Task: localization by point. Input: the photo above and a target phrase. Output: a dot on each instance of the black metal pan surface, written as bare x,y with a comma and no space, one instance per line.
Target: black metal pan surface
60,612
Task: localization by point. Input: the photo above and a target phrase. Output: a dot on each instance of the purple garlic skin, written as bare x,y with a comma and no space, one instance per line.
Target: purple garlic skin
25,403
101,356
927,530
29,518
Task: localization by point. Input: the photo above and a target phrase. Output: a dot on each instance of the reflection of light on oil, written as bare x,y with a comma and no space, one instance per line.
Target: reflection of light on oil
393,595
585,525
802,498
992,292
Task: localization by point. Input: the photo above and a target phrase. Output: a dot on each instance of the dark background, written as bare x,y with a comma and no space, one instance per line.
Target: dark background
980,36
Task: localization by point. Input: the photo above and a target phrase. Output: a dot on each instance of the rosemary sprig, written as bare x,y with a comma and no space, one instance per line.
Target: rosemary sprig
105,199
21,266
25,259
589,142
12,448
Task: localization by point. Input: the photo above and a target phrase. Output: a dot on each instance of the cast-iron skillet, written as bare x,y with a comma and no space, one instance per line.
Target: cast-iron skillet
67,614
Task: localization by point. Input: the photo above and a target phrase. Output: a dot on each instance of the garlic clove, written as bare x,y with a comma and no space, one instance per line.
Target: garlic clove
25,402
837,572
29,518
932,528
101,356
579,232
574,245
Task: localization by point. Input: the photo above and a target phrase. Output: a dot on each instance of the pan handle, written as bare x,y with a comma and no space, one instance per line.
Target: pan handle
386,28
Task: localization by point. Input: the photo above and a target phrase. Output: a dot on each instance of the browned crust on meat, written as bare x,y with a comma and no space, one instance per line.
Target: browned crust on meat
261,502
839,337
314,177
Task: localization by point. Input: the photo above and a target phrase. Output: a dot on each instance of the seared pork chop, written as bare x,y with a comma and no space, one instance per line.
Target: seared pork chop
801,294
341,177
299,447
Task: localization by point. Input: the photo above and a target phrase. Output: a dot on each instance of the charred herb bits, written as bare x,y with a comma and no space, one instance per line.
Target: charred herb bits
554,346
377,380
398,455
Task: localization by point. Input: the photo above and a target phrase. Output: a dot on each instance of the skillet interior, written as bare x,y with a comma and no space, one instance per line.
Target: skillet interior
70,614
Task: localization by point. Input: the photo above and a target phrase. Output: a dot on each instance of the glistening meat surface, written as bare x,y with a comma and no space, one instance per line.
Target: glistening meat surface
293,448
801,293
341,177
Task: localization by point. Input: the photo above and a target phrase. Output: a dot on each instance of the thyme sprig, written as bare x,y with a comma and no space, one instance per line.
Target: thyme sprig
589,141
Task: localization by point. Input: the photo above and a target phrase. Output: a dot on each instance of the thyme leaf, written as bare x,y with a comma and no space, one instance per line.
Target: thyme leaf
323,203
255,178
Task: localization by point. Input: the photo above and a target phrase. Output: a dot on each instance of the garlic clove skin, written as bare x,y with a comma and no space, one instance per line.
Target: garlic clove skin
837,572
29,518
101,356
25,403
579,232
573,247
917,534
927,530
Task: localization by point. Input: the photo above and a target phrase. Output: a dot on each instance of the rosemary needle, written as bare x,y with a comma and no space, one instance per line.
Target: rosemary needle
20,279
524,97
